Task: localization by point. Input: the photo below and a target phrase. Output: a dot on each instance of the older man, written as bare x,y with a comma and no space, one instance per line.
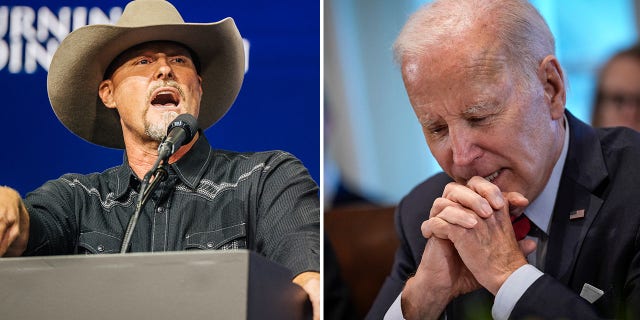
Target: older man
490,95
121,86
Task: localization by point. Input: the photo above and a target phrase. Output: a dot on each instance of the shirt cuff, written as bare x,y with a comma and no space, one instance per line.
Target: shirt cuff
395,311
512,289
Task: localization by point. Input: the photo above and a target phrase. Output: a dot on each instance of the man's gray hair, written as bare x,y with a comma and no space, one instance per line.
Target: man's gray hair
515,23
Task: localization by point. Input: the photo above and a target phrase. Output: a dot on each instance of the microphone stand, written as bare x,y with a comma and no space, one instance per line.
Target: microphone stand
159,173
180,131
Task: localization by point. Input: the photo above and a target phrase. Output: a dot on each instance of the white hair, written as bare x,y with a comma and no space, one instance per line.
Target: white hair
515,24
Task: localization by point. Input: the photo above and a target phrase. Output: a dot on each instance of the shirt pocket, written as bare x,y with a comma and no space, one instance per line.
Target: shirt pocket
232,237
95,242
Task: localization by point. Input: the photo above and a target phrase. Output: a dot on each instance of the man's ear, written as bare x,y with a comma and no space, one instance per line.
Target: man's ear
105,91
552,79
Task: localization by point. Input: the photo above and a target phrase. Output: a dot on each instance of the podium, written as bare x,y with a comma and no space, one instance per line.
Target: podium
237,284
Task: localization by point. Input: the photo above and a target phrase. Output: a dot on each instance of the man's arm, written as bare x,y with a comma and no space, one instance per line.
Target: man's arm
288,222
14,223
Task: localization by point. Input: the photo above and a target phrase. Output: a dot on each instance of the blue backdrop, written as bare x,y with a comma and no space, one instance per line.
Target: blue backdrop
277,108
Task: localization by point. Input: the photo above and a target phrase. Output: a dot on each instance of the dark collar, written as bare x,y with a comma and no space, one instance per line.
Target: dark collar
585,163
190,168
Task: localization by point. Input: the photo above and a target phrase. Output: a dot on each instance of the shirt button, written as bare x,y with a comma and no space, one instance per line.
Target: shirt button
209,245
160,209
100,248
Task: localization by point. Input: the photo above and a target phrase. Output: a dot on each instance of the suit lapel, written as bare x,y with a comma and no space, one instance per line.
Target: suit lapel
583,173
566,235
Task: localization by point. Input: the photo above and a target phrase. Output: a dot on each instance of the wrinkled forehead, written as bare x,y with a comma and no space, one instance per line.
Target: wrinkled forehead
472,55
464,82
454,73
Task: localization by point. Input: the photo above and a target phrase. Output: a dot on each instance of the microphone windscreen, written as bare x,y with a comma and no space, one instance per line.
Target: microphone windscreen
188,123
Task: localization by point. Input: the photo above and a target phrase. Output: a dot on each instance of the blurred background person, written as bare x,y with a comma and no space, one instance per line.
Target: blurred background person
617,100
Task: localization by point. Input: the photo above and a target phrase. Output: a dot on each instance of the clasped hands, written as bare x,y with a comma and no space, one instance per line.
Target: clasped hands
471,245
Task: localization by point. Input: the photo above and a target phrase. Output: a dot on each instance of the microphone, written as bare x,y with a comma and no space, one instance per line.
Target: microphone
180,132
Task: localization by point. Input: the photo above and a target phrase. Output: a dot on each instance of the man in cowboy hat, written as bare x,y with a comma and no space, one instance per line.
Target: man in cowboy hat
120,86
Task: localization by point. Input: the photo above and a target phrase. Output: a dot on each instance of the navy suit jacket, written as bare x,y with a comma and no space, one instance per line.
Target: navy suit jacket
602,176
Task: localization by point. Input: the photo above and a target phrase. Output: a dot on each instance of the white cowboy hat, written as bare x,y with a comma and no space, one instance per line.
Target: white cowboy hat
79,65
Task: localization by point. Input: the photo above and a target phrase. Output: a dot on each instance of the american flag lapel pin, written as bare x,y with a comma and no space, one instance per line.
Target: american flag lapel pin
577,214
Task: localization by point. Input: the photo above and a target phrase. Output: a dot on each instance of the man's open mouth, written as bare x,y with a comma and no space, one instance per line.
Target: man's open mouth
165,97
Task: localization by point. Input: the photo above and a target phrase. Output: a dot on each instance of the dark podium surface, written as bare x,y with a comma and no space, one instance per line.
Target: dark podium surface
236,284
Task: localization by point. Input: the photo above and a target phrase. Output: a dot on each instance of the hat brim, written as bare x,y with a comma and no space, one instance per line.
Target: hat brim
79,64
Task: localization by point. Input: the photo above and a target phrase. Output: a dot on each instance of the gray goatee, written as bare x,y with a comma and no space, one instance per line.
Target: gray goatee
158,130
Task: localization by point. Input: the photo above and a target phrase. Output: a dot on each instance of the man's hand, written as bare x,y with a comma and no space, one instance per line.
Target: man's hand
441,276
484,240
310,282
14,223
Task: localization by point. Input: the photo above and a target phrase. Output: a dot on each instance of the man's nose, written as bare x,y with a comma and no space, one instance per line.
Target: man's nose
463,146
164,71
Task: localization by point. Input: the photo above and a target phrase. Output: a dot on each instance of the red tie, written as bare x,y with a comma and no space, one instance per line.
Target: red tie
521,226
